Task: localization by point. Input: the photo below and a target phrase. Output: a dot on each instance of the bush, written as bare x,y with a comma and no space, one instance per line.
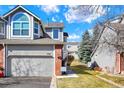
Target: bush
70,60
1,69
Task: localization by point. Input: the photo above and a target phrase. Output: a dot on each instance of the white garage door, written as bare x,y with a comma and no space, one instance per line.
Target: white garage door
32,66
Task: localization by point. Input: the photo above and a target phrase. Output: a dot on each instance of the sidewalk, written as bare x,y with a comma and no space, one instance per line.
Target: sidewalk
110,81
70,74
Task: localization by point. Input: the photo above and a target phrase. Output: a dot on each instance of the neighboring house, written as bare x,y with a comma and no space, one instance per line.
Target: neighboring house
106,53
72,48
29,48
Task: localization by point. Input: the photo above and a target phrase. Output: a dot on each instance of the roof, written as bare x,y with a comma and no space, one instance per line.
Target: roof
17,7
65,34
2,19
117,26
42,41
72,43
54,24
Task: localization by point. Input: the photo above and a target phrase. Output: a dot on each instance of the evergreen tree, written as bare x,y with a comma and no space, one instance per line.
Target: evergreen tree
85,48
96,31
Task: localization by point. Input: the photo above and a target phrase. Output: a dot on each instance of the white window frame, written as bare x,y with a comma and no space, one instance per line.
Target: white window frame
58,33
20,22
38,28
3,32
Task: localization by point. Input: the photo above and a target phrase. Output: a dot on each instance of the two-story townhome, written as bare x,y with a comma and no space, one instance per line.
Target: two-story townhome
109,51
28,47
55,31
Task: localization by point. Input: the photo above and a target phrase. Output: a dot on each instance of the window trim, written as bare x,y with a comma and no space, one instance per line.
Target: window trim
58,33
38,28
20,22
3,32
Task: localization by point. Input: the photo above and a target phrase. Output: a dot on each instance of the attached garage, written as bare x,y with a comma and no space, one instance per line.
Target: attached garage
33,60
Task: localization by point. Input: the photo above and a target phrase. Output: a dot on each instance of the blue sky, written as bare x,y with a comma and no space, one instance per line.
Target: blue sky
75,23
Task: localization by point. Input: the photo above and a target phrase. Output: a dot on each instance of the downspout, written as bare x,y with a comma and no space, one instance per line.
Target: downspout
118,54
4,58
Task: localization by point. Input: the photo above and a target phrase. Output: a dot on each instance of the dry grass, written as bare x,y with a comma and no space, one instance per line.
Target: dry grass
119,80
86,78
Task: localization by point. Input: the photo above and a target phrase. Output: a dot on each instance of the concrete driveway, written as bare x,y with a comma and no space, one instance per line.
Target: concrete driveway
25,82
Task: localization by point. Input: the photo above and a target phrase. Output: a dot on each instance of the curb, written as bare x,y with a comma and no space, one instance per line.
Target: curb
53,82
109,81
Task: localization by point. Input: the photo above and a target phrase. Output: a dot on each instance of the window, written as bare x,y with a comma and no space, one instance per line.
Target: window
1,27
20,25
36,28
55,33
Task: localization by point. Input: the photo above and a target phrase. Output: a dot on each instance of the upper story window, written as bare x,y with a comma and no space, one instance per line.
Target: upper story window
1,27
55,33
20,25
36,28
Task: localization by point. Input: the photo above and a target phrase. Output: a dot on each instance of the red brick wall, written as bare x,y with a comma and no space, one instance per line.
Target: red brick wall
1,55
58,59
122,63
117,65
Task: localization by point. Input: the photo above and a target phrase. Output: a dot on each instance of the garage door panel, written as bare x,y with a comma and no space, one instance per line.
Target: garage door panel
30,66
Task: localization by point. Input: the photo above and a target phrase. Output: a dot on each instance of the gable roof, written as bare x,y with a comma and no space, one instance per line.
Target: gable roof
117,26
17,7
1,18
54,24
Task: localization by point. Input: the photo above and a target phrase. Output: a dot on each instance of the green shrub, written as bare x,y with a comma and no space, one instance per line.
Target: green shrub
1,69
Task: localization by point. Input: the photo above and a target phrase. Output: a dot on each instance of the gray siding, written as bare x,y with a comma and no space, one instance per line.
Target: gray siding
35,36
2,36
32,50
50,33
105,55
31,25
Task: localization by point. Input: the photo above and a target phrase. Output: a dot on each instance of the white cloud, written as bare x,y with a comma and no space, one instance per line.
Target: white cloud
73,36
90,31
101,11
83,13
53,19
61,21
49,8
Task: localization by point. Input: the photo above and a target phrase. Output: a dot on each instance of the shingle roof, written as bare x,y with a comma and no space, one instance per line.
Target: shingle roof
1,18
117,26
41,41
54,24
20,6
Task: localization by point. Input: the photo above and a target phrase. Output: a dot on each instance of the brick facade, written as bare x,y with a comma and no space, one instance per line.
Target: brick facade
119,63
122,63
58,59
1,55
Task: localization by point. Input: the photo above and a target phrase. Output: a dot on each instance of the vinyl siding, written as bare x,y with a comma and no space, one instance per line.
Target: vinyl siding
50,33
105,55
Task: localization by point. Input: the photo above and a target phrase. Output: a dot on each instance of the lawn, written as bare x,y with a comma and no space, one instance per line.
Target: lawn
119,80
86,79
